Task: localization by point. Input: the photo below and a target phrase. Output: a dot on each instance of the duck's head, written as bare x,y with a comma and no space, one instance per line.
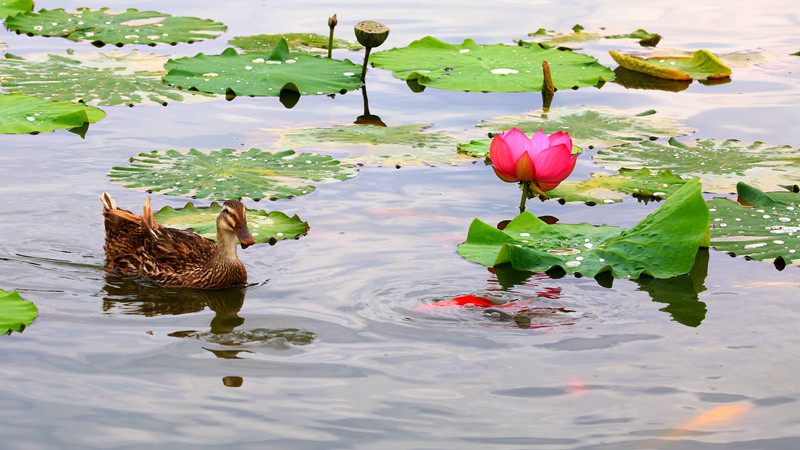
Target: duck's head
232,219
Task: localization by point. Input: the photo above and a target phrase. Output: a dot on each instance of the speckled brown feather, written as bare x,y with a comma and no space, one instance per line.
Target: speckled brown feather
138,245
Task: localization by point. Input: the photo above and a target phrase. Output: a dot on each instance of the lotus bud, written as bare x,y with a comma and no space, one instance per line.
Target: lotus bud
332,21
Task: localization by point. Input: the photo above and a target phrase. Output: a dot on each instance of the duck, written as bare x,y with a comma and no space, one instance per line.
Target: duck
138,245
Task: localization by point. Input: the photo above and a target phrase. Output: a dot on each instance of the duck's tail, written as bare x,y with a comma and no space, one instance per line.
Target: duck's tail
108,202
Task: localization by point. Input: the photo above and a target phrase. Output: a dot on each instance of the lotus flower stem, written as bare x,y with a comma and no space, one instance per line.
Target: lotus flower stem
332,21
366,60
527,192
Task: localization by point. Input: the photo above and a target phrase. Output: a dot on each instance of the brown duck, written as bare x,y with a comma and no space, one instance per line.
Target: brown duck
138,245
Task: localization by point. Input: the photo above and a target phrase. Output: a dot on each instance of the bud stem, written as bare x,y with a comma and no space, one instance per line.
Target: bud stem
366,60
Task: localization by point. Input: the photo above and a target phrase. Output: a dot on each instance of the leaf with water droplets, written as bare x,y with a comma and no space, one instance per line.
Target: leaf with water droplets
12,7
761,225
662,245
597,127
99,78
299,43
104,26
701,65
25,114
263,74
15,312
227,173
602,188
719,164
370,144
493,68
265,227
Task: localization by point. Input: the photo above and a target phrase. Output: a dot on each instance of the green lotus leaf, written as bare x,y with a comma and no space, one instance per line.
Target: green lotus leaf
767,229
13,7
491,68
262,74
15,312
104,26
662,245
265,227
602,188
476,148
368,144
101,78
577,37
718,164
701,65
226,174
595,127
24,114
299,43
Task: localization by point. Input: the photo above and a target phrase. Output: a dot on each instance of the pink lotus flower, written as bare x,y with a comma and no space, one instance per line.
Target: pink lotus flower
543,161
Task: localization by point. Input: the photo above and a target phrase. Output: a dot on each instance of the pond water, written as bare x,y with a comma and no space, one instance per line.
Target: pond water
325,349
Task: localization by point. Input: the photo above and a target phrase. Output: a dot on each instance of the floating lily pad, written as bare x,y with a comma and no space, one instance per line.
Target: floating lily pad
491,68
104,26
15,312
701,65
768,229
262,74
590,127
13,7
663,245
24,114
99,78
578,37
265,227
300,43
374,144
602,188
718,164
226,174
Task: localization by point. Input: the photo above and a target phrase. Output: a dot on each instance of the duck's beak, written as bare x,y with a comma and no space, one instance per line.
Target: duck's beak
243,233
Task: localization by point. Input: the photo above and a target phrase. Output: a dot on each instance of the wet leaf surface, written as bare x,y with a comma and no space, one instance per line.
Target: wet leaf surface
369,144
15,312
12,7
265,227
602,188
262,74
104,26
598,127
491,68
701,65
229,174
299,43
25,114
766,230
719,164
102,78
663,245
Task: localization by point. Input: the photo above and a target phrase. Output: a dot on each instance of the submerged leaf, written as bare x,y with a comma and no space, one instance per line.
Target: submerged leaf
578,37
767,229
702,65
24,114
265,227
300,43
13,7
227,173
718,164
590,127
602,188
262,74
15,312
374,144
662,245
102,78
104,26
492,68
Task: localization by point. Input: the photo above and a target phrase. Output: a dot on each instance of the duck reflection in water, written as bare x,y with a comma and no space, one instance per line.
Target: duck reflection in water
133,295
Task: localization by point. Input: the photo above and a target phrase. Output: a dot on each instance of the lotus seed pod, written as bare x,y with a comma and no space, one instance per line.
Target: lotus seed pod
371,34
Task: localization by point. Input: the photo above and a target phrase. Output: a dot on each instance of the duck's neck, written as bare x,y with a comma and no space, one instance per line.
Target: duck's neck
226,244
